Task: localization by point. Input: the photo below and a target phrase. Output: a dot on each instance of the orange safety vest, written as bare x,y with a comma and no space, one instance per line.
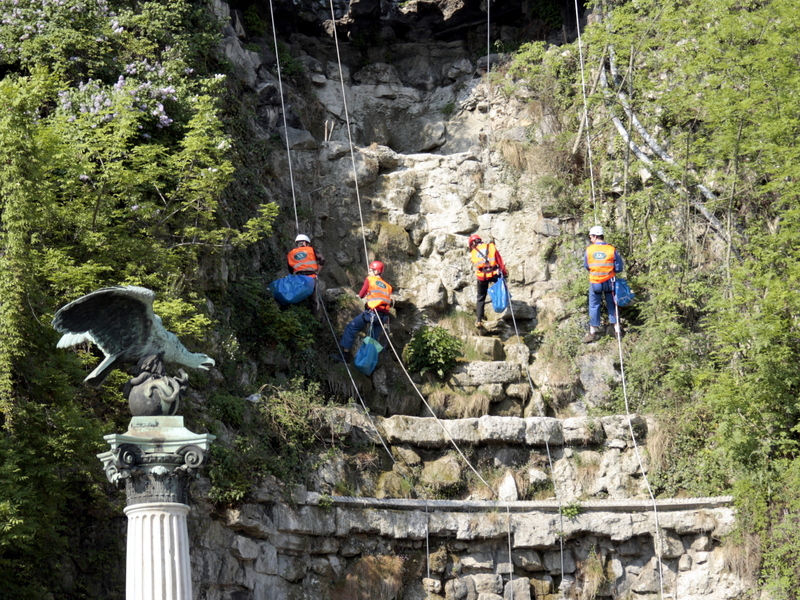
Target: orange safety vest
303,261
600,258
483,257
379,293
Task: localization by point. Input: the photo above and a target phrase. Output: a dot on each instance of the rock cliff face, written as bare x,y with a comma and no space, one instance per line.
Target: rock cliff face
560,507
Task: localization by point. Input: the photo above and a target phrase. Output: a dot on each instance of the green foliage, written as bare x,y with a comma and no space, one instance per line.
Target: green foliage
291,67
273,438
571,510
547,11
113,160
546,73
259,322
770,507
253,22
432,349
228,409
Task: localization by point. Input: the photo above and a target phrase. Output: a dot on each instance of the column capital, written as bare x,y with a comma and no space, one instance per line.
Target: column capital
155,458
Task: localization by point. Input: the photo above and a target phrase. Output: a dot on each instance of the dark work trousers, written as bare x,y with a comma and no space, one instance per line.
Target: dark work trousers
597,291
368,318
483,288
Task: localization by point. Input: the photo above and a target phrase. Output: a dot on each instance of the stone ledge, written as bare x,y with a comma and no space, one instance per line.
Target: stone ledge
431,432
669,504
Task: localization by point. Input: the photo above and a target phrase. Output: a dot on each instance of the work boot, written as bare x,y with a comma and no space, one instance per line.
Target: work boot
479,324
590,337
338,357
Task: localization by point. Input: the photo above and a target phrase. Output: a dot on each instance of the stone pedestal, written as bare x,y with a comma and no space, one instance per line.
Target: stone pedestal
154,460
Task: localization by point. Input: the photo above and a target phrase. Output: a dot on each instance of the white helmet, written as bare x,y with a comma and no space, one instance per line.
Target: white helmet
596,230
302,238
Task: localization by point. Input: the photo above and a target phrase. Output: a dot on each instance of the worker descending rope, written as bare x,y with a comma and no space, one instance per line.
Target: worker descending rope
304,259
488,268
377,294
304,265
603,262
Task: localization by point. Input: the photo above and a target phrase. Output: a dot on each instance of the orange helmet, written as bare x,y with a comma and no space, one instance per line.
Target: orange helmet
474,239
376,265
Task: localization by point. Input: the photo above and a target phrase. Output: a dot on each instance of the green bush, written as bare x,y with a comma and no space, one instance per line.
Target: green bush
273,438
433,349
571,510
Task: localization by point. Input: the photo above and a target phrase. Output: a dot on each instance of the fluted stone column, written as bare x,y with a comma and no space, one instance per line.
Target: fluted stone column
154,460
158,551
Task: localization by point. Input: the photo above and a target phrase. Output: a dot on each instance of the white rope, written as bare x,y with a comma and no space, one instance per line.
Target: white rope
430,410
349,134
355,387
283,111
510,556
546,441
585,111
488,43
658,541
427,540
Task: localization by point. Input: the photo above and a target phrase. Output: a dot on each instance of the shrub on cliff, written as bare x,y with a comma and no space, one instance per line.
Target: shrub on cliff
432,349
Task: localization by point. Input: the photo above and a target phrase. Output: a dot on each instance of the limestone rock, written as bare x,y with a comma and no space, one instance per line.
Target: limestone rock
477,372
297,139
507,490
528,560
442,473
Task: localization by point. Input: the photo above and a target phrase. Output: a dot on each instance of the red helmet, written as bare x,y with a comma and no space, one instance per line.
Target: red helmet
376,265
474,239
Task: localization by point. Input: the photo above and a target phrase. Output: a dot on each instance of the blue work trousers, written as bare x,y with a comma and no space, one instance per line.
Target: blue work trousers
367,318
596,293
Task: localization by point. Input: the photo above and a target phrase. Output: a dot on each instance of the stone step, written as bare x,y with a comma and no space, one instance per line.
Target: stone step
429,432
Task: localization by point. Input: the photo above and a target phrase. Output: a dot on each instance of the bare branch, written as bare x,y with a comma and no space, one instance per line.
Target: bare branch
649,139
663,176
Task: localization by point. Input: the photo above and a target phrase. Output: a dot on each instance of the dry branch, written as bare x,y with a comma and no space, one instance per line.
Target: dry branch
663,155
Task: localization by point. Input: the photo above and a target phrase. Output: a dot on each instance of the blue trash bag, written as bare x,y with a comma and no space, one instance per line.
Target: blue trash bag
499,295
292,289
367,356
622,292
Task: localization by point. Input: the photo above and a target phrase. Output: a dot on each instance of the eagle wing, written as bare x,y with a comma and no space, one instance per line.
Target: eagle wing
119,320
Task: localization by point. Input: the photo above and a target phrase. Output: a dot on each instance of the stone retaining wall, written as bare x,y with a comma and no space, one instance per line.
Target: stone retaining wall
466,550
520,458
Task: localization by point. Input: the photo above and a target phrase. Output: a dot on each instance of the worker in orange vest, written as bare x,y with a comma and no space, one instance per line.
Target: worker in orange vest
304,259
603,262
377,295
488,268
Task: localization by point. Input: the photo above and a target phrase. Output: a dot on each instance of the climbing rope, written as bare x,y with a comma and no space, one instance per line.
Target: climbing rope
546,441
618,328
349,134
585,111
658,542
430,410
283,112
391,345
488,43
355,387
427,538
510,556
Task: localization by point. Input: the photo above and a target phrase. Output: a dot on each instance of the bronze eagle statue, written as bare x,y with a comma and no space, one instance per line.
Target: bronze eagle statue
120,321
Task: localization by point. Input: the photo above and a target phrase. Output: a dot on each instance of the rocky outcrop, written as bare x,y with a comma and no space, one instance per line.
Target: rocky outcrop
543,501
